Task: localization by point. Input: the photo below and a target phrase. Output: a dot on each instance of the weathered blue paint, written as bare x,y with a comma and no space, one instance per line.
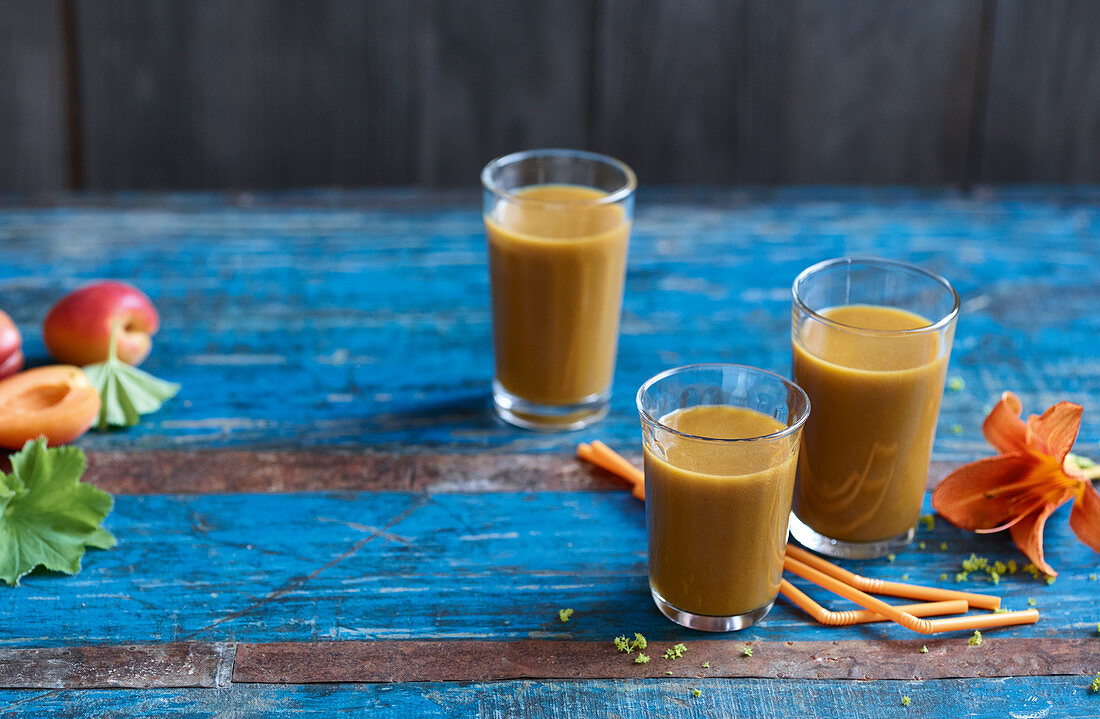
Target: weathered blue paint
1063,697
361,319
444,566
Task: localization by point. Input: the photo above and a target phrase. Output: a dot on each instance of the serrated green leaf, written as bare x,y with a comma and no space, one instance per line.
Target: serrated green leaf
48,515
126,392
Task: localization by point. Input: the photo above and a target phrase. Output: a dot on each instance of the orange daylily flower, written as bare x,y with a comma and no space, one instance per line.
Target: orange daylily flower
1019,488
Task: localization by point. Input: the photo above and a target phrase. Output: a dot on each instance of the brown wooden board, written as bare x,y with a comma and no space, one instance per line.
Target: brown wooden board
135,666
221,471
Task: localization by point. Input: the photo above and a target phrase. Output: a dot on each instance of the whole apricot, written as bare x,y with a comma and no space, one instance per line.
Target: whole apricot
78,328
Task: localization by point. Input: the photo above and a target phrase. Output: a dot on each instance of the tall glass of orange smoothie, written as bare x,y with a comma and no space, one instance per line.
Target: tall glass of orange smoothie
557,224
720,444
871,341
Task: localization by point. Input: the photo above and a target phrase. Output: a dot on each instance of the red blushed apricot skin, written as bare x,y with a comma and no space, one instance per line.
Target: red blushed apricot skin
78,328
11,346
56,402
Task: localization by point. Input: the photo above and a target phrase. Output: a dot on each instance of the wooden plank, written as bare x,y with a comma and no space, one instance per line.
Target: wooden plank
219,471
497,77
1044,93
446,566
806,92
363,322
414,661
756,698
253,93
33,129
140,666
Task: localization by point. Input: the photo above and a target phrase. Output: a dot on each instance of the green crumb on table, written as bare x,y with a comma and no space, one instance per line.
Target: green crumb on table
943,546
1050,580
1098,627
975,639
1096,683
622,644
956,429
923,649
625,645
999,567
746,652
943,577
706,665
1092,577
974,563
639,641
641,658
891,557
921,545
956,384
905,577
1000,610
696,693
565,614
995,576
1031,601
1032,570
929,521
906,701
1011,566
669,672
675,652
961,577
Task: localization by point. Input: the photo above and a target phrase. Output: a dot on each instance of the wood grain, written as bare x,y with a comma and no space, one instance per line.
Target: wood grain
134,666
306,321
454,565
33,128
220,471
413,661
253,93
1044,93
799,92
496,77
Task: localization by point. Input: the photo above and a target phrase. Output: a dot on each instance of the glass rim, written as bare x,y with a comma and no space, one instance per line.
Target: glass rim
933,327
628,188
786,431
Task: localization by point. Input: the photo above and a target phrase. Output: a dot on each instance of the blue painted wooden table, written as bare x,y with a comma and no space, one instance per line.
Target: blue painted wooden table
328,519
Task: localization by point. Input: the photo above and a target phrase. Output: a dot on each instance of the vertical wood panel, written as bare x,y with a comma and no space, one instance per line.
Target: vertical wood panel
498,76
182,93
808,91
1043,121
33,137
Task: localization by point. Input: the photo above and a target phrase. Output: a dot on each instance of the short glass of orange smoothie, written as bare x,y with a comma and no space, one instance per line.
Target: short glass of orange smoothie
870,341
720,445
557,224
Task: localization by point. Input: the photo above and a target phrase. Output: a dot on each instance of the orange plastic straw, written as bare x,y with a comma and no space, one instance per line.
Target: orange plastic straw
905,619
864,616
895,589
606,458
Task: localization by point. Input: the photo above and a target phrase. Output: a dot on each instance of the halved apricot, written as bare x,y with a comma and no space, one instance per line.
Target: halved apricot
57,402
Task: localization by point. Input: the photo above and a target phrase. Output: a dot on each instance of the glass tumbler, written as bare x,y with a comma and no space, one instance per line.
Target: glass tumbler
870,342
557,224
720,444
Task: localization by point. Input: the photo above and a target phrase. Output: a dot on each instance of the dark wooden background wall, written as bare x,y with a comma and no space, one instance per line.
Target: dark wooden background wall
120,94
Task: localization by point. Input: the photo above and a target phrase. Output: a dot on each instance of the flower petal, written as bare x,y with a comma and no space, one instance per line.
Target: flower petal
1057,428
975,495
1084,519
1028,535
1003,428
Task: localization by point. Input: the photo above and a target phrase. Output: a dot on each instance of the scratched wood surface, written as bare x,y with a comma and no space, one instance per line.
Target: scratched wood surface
329,499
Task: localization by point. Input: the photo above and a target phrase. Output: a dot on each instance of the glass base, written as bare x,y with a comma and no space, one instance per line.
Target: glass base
706,622
840,549
549,417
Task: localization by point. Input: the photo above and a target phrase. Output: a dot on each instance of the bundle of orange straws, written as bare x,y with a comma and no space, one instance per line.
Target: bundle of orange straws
851,586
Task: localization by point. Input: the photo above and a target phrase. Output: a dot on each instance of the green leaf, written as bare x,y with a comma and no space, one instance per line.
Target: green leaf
126,392
47,515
